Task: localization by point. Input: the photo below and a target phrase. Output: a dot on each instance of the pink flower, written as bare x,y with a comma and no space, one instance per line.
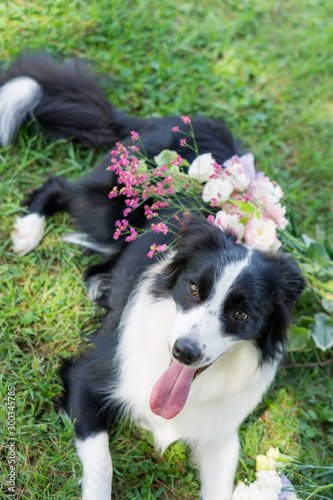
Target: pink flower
135,135
277,212
154,248
122,225
149,213
261,233
264,191
151,251
160,204
160,228
178,161
217,169
175,129
114,192
133,236
183,142
186,119
132,202
120,147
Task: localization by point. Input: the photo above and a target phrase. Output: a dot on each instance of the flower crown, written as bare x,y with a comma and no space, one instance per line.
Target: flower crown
241,201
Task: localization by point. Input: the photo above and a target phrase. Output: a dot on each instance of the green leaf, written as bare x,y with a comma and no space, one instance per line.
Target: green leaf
142,168
319,254
322,331
307,240
305,321
164,157
245,207
299,338
328,305
329,245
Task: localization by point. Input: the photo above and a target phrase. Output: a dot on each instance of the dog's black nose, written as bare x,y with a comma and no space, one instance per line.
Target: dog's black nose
186,351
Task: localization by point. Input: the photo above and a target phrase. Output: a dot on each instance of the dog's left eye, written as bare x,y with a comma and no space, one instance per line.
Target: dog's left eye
193,289
240,315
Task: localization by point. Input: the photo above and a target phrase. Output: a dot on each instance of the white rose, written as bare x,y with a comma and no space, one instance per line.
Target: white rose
269,479
242,492
247,162
217,189
202,167
237,176
226,221
266,494
261,233
266,487
265,191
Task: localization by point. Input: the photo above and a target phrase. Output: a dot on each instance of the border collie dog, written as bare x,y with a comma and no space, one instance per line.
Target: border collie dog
191,341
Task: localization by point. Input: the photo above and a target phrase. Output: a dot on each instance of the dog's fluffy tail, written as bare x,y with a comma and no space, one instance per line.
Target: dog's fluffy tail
65,100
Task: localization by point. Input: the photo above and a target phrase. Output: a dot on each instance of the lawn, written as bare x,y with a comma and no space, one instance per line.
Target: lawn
263,66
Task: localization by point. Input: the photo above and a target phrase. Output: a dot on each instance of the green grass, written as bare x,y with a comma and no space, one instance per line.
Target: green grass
263,66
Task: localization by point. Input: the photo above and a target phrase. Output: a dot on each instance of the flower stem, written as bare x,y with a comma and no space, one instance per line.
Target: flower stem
318,489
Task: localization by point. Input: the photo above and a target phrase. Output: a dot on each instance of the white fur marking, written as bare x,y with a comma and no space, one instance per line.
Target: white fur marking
81,239
28,232
97,466
18,97
202,328
226,280
218,464
192,324
98,284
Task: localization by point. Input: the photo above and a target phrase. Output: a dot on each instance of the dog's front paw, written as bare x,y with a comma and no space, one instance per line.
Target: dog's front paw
28,232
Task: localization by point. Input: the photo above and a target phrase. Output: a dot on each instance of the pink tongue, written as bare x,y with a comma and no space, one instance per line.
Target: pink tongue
170,393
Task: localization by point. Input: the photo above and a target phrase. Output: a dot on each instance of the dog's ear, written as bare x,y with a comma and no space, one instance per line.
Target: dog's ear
286,284
288,278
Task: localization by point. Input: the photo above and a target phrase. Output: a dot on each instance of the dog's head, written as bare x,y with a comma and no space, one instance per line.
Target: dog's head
225,293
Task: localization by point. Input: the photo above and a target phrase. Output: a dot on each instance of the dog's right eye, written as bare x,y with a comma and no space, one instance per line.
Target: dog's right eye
240,315
193,289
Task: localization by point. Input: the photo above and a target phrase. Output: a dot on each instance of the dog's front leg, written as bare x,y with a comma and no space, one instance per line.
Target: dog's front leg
218,464
97,466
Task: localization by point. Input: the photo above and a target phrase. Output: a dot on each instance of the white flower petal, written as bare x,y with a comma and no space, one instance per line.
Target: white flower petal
202,167
227,221
261,233
217,189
